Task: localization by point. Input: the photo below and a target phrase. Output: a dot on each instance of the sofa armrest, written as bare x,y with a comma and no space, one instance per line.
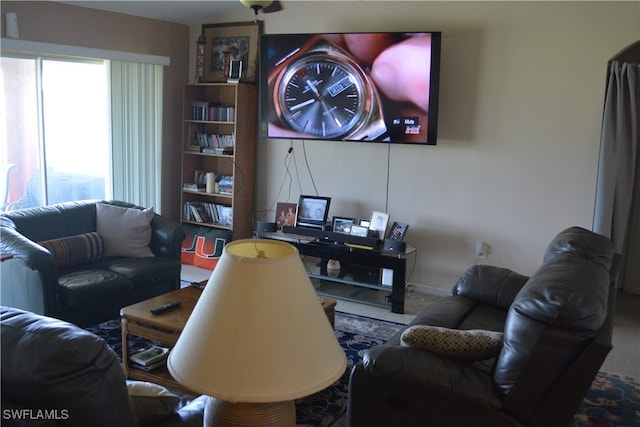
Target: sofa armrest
489,284
29,277
448,378
166,237
19,247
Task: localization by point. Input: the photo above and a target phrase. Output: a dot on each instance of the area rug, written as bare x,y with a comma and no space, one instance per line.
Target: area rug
613,400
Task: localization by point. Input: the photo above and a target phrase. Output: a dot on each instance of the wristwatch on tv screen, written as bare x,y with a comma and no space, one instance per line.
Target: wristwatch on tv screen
320,90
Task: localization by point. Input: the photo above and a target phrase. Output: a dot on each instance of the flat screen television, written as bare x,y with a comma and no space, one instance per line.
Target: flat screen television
373,87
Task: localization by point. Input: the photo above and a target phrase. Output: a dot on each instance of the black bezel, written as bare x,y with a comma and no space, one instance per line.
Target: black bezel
290,42
323,203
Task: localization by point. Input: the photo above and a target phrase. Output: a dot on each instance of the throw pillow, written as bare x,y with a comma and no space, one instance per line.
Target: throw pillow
202,246
77,249
151,402
126,231
469,345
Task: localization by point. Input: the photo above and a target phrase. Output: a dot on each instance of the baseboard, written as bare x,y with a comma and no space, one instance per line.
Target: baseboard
429,290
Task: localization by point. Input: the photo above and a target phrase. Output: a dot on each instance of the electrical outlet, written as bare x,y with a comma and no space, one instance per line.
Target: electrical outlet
481,249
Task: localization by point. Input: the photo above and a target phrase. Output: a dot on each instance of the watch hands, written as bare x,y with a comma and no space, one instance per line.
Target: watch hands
313,88
317,97
302,104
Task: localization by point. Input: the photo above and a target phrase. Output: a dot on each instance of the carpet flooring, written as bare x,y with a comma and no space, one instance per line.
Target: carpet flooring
613,400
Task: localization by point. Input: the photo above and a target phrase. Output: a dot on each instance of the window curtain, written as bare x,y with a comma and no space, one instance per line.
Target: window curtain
136,116
617,208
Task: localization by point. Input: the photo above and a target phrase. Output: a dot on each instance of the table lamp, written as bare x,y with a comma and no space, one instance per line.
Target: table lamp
257,339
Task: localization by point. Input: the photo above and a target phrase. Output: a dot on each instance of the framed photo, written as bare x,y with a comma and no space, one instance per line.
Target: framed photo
398,231
342,225
200,177
231,42
379,221
286,214
364,222
360,231
313,211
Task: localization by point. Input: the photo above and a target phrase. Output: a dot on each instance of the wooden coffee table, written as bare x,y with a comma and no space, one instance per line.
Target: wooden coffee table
166,328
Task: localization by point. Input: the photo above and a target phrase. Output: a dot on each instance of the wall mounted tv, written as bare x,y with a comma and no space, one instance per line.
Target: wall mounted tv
374,87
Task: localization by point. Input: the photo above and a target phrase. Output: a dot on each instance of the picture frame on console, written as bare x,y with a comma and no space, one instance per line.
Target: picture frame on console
342,224
285,214
378,223
237,41
398,231
313,211
359,231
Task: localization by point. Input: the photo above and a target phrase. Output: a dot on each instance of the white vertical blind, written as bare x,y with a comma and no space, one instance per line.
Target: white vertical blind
136,116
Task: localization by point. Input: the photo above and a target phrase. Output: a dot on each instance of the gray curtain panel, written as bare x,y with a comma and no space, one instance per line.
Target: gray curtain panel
617,207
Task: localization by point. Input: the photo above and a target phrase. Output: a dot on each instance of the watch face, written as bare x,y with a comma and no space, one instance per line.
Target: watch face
321,96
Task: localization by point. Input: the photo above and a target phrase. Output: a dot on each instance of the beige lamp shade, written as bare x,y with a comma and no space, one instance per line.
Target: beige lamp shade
258,332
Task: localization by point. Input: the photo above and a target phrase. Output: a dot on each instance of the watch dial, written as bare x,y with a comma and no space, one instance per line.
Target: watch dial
321,98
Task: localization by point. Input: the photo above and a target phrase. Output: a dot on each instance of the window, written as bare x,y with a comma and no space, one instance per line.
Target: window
55,131
74,129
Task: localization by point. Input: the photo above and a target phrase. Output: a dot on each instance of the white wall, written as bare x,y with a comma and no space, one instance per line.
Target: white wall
521,98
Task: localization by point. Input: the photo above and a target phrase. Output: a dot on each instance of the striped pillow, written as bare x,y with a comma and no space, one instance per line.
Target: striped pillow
78,249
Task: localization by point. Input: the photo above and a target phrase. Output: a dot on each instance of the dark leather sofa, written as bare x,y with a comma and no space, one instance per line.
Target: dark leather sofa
91,292
557,332
56,374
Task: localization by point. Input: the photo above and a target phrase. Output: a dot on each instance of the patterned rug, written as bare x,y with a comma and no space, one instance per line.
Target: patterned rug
612,400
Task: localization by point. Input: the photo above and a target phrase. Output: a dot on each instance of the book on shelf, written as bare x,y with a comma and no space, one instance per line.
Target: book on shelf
192,186
208,150
203,212
150,356
193,148
212,111
199,110
225,215
225,184
200,213
212,143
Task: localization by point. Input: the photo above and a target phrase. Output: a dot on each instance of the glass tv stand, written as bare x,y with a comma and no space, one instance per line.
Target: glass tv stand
367,276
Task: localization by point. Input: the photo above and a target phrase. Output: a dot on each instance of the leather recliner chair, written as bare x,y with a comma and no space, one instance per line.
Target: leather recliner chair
557,328
56,374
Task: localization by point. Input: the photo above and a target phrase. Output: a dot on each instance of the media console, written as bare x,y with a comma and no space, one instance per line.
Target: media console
371,276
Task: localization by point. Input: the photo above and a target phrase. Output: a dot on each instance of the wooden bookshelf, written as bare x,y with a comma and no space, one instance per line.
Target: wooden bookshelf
219,137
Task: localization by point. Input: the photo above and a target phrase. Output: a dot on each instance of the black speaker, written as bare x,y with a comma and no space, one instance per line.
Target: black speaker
394,245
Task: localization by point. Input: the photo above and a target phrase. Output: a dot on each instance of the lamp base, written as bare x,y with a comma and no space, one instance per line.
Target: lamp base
220,413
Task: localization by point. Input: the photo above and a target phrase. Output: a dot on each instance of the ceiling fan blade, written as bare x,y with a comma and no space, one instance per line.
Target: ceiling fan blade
275,6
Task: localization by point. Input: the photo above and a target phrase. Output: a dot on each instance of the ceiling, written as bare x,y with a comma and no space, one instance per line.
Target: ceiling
183,12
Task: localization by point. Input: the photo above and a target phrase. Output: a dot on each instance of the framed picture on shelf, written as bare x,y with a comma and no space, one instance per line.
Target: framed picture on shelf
286,214
379,221
341,225
398,231
224,43
364,222
313,211
359,230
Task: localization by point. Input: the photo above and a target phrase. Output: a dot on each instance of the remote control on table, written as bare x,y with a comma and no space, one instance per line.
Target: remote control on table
197,285
165,307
